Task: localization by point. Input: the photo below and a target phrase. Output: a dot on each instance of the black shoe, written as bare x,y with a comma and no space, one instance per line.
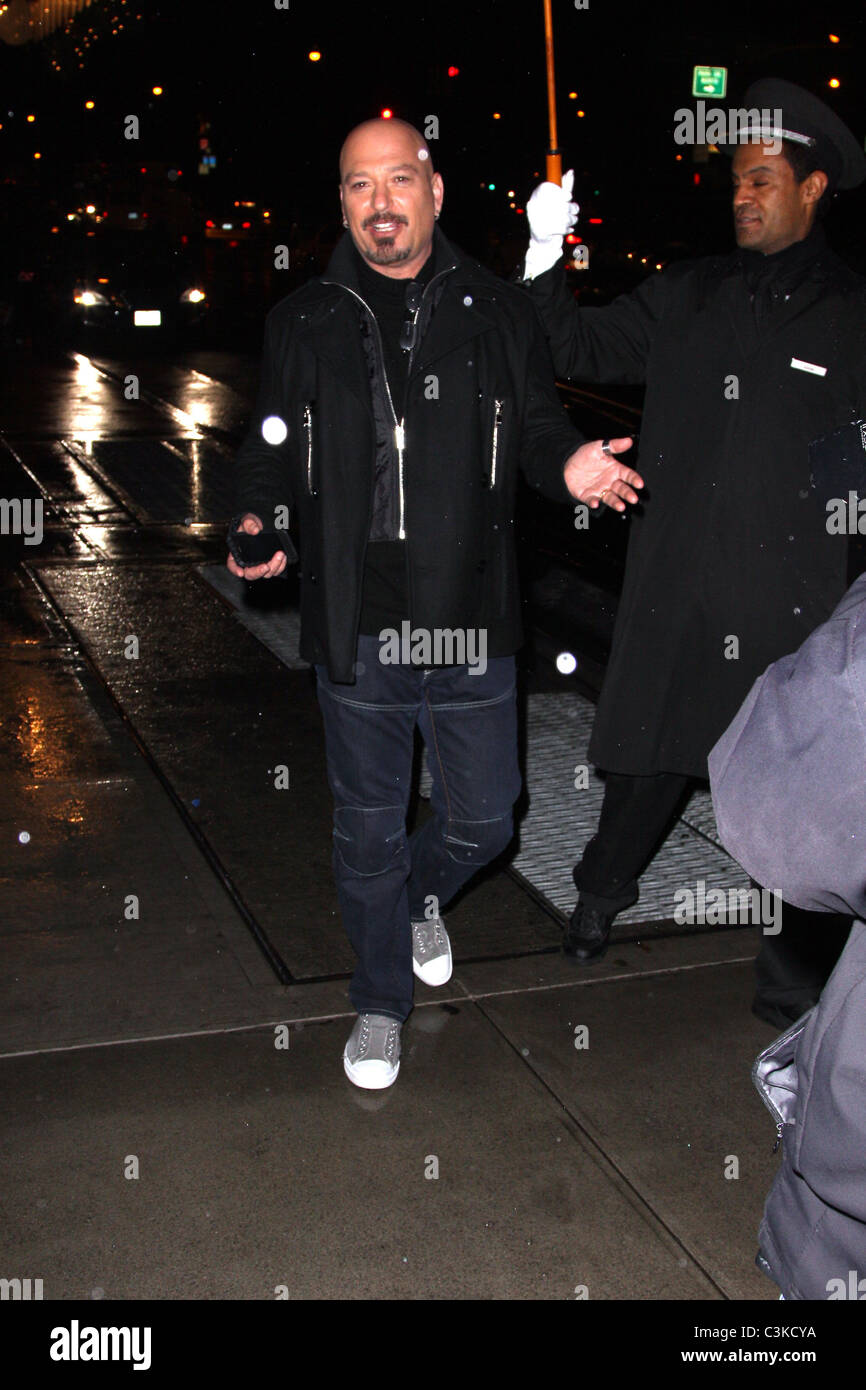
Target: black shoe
587,935
781,1016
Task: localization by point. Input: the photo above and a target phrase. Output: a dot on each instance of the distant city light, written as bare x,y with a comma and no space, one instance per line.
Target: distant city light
31,118
315,56
566,663
834,38
387,114
157,91
581,113
453,72
492,187
89,105
497,116
90,208
37,155
572,96
834,82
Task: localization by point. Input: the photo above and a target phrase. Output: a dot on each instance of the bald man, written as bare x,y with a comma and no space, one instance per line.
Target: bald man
400,393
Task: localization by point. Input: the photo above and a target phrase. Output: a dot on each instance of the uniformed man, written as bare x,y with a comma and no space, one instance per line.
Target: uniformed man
747,359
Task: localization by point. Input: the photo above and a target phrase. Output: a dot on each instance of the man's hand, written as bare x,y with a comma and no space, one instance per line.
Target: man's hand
594,476
551,214
277,563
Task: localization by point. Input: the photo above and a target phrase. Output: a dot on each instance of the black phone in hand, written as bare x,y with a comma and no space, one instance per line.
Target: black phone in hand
250,551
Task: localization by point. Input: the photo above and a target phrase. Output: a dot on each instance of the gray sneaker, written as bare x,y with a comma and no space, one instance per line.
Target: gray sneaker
431,951
371,1057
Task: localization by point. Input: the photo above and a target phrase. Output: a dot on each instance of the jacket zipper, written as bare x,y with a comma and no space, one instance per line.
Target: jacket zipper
308,426
497,421
399,425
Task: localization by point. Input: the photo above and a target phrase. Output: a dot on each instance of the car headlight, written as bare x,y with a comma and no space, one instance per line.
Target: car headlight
192,296
90,297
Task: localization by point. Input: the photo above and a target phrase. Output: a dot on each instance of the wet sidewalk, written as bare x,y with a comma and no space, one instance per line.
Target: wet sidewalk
176,1121
551,1128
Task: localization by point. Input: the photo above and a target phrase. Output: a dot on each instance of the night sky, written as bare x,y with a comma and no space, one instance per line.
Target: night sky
277,119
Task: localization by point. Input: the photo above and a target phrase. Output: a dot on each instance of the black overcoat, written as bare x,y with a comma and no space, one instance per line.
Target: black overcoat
481,402
730,563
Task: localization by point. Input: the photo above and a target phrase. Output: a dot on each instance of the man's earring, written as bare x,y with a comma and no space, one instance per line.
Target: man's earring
345,223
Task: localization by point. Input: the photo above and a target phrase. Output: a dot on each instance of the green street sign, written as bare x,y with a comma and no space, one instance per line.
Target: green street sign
709,82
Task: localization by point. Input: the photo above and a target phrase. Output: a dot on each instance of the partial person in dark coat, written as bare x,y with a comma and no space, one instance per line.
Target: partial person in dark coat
401,392
790,800
747,358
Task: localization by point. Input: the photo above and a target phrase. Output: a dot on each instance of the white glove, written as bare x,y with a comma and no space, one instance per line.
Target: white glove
551,215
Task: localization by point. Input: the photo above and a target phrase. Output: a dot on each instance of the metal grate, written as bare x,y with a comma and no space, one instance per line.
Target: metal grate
561,819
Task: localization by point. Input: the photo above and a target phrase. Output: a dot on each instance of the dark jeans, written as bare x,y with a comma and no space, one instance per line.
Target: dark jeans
384,879
791,968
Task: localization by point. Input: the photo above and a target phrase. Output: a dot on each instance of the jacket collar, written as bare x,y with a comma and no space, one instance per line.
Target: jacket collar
455,321
341,269
786,268
802,272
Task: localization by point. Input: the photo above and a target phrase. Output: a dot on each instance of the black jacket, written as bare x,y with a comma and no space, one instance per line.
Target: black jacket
730,542
481,401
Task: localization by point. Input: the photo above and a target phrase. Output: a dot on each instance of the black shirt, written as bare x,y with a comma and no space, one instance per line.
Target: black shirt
385,601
